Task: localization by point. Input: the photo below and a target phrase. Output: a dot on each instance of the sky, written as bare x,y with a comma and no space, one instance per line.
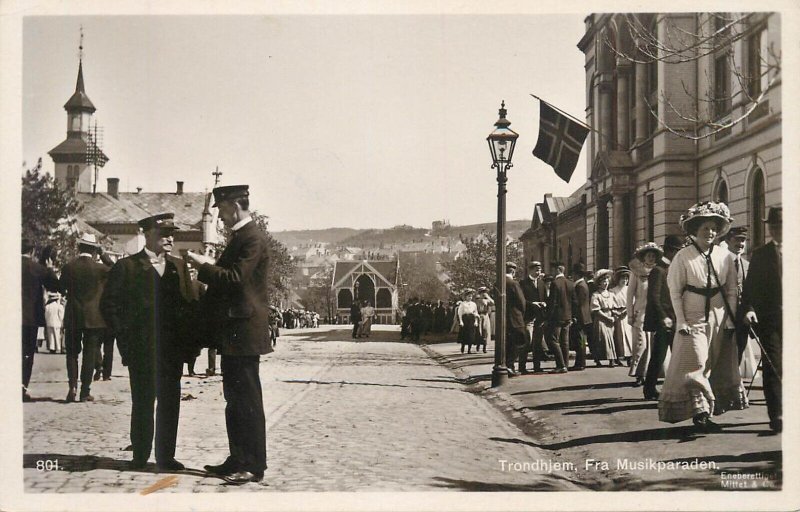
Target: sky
333,120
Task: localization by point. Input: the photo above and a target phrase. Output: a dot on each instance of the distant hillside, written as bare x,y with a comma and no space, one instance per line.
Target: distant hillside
397,235
307,236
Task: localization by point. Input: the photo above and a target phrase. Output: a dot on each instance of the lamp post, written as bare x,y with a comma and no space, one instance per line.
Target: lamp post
501,143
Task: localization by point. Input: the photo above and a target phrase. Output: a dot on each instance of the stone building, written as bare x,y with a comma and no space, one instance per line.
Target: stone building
641,176
557,233
373,281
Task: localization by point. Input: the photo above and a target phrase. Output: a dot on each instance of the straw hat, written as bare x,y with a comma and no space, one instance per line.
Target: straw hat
648,247
706,210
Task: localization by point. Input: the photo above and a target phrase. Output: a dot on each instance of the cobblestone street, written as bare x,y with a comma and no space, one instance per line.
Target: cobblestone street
372,415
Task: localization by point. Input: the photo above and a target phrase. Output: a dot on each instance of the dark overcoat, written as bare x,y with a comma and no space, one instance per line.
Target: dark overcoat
762,289
236,300
83,281
560,300
659,303
35,277
515,305
582,305
130,307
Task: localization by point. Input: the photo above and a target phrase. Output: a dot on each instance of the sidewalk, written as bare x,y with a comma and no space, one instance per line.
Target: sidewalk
596,418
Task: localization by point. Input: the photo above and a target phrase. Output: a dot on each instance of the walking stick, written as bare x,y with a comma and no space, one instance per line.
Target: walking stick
755,372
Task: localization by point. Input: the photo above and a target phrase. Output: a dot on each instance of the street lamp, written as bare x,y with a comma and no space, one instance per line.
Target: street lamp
501,143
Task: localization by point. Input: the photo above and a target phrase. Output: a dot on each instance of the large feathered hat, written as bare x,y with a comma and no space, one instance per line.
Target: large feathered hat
706,210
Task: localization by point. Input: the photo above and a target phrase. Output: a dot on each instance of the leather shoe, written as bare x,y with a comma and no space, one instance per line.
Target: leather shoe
71,395
137,464
577,368
97,375
87,398
651,394
223,469
170,465
243,477
26,397
560,370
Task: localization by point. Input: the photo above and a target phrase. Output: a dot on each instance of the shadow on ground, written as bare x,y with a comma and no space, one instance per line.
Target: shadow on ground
80,463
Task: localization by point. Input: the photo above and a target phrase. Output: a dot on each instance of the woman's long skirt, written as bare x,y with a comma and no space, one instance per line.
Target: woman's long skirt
703,374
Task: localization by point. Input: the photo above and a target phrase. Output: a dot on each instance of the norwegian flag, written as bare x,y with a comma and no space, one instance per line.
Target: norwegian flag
560,141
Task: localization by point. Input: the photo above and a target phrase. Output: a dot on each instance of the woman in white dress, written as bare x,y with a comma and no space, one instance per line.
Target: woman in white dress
622,329
703,375
485,304
646,257
602,307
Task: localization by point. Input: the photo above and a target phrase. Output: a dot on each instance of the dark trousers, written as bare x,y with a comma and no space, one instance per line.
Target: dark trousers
244,413
212,359
29,334
772,341
104,356
356,325
742,337
515,343
662,340
580,336
148,384
86,341
558,342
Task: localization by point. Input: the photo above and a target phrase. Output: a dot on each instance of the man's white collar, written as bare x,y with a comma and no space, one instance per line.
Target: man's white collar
241,223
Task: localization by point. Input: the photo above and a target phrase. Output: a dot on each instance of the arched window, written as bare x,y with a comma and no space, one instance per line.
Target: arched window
757,209
721,194
383,298
344,299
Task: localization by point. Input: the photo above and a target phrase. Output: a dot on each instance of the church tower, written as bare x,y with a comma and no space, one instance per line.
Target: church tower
76,157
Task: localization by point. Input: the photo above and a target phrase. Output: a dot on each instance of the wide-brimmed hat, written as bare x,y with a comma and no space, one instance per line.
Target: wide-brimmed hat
775,215
603,272
645,248
466,291
707,210
89,239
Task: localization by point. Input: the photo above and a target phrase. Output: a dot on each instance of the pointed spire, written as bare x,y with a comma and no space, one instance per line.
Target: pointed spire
79,85
79,100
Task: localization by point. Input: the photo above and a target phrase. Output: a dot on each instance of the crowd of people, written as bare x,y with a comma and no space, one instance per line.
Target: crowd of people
693,311
162,310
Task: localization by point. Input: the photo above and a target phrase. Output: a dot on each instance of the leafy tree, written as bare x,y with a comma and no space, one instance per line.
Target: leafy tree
476,265
418,278
281,267
48,213
318,296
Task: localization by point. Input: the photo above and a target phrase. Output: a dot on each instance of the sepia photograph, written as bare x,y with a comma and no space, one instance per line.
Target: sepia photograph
401,257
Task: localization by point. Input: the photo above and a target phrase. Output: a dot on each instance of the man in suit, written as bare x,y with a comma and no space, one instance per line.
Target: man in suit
659,315
35,279
762,308
239,307
582,328
82,281
736,239
516,342
559,307
535,291
146,303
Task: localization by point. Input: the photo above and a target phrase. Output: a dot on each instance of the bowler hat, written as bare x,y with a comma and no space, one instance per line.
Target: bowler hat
775,215
161,221
229,192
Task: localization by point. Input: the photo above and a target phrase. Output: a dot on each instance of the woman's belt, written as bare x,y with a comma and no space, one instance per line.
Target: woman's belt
705,292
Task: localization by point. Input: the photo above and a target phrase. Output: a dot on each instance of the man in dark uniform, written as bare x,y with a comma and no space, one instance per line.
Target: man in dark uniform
239,308
146,303
83,280
762,308
559,312
581,330
659,315
35,279
516,338
535,291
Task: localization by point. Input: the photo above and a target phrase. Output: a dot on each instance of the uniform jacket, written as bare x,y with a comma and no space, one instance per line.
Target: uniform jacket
762,289
562,293
537,293
129,305
515,305
83,281
236,300
583,309
35,278
659,305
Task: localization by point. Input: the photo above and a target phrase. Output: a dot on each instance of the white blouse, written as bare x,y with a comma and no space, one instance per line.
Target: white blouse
466,307
689,268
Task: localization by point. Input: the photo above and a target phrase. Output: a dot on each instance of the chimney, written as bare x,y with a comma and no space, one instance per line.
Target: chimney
179,190
138,190
113,187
